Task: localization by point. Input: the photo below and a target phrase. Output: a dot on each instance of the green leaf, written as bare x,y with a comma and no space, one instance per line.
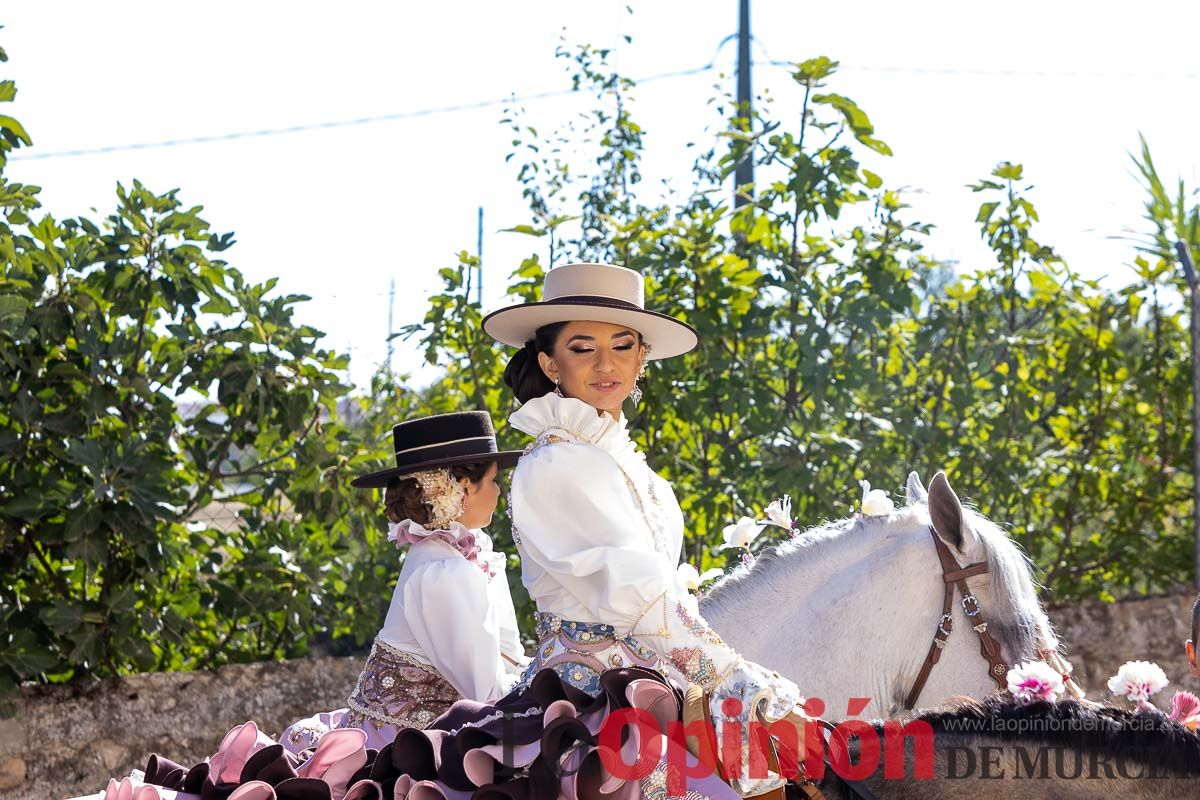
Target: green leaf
814,69
986,210
856,119
25,656
15,128
1008,171
1043,283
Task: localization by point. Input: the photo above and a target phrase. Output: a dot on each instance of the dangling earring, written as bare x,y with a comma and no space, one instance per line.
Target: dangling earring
636,393
558,389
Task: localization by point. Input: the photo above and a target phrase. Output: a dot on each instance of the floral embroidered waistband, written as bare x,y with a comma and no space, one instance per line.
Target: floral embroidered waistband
399,689
580,651
552,625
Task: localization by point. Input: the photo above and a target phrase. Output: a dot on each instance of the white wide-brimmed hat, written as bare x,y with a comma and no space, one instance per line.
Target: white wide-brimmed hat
594,293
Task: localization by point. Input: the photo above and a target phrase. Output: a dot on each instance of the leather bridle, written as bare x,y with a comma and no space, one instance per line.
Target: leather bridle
954,576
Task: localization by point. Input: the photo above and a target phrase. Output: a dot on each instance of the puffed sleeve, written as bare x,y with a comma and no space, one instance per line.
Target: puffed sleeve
578,518
448,608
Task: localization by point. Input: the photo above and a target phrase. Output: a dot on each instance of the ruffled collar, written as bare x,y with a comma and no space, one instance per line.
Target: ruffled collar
571,418
466,541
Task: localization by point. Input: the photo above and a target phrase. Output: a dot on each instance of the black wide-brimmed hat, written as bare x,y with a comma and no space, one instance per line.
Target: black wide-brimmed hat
442,440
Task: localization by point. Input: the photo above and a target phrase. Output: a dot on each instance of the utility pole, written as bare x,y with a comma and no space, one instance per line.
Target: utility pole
391,309
1189,271
743,175
479,255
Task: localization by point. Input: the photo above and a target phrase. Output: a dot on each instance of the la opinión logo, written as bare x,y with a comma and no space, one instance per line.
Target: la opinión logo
854,749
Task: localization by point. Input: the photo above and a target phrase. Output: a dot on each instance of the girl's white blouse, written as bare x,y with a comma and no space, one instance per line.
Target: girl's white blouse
448,612
599,532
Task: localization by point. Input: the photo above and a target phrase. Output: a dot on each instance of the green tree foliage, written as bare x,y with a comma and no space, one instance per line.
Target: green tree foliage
836,349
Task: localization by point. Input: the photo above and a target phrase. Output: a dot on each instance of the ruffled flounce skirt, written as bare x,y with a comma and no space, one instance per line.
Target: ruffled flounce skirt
546,742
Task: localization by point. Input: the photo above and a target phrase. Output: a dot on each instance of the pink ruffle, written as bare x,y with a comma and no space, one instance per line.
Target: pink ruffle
458,536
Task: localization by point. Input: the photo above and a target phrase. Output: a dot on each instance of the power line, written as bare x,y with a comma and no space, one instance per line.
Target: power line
1006,73
343,123
482,104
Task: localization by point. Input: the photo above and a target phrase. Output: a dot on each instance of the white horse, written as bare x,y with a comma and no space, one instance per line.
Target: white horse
849,609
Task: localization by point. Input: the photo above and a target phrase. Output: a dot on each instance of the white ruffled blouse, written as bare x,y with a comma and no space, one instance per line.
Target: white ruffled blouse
600,533
453,613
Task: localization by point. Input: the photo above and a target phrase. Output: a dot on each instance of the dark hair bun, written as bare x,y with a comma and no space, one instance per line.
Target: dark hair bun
524,374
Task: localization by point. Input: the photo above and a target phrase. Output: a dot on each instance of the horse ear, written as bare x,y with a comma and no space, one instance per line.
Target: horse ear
945,512
914,492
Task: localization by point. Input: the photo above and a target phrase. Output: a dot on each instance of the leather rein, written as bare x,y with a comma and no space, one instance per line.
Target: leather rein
954,576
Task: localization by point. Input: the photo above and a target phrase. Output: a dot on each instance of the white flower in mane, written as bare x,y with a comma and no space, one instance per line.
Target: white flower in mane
779,513
1034,681
742,533
1138,681
444,496
875,502
691,579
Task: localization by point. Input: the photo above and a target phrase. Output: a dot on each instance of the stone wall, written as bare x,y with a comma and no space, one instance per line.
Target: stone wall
68,740
1100,637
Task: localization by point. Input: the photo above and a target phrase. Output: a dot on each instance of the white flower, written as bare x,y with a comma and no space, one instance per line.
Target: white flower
1036,680
875,502
742,532
1138,680
691,580
779,513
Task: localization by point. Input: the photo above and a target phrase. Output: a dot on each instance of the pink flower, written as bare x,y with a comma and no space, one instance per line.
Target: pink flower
1138,680
1185,709
1035,681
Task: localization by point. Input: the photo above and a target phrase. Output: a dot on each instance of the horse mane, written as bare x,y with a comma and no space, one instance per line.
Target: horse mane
1071,724
1014,614
1018,616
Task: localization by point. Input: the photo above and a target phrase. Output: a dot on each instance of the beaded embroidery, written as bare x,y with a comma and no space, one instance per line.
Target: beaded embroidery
654,786
580,651
397,689
694,665
302,737
698,627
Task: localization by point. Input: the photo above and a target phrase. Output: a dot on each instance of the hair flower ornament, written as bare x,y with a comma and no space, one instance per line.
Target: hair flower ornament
444,495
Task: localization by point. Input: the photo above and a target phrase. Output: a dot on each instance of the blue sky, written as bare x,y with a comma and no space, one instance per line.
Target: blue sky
336,213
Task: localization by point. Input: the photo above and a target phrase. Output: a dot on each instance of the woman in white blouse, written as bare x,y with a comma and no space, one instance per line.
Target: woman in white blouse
598,532
451,631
